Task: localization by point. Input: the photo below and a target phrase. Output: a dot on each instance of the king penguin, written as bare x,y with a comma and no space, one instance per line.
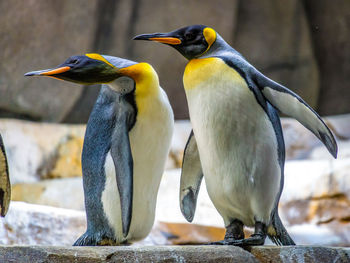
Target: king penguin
126,144
5,186
237,141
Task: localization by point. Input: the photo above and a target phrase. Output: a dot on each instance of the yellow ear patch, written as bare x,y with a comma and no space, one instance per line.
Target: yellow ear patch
210,36
98,57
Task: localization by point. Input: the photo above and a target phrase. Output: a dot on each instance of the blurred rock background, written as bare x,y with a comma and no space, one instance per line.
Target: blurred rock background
301,44
45,169
304,45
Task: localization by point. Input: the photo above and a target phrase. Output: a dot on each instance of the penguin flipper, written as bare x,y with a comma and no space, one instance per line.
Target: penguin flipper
292,105
191,178
123,163
5,186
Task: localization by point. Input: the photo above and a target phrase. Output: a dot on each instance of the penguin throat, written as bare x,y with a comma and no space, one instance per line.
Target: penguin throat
146,84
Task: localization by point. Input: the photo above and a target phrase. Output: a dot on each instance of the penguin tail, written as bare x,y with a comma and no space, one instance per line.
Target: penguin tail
278,233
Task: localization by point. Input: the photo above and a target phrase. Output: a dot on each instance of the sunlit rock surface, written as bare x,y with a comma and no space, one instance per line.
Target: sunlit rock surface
64,193
41,150
174,254
28,224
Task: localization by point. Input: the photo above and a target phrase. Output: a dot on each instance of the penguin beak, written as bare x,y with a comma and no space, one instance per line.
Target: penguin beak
165,38
48,72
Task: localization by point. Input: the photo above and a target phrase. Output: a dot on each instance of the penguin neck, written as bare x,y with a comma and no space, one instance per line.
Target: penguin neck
219,47
146,84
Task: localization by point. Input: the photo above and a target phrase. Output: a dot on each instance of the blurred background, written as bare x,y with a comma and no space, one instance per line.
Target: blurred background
303,44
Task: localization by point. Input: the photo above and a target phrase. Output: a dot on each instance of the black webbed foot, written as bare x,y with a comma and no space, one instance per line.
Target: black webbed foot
257,239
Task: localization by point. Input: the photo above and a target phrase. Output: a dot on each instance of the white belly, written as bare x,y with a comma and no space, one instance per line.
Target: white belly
237,145
150,142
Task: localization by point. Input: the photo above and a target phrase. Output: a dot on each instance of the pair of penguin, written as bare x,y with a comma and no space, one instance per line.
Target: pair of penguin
236,143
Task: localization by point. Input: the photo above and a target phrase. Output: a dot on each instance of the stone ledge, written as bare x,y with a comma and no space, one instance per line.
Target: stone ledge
186,254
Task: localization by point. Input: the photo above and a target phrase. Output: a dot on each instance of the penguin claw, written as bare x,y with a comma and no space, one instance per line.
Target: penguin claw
253,240
97,239
227,242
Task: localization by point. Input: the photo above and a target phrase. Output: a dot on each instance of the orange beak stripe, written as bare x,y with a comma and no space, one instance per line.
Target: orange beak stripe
55,71
167,40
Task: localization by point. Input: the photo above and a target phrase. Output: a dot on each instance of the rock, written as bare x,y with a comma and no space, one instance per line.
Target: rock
67,157
188,254
300,142
275,38
321,152
41,36
64,193
301,254
42,150
184,233
339,124
33,224
171,15
28,224
168,208
125,254
182,130
330,31
168,233
316,179
315,201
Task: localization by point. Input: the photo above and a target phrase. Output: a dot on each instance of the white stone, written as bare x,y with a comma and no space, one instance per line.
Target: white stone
168,206
35,224
316,178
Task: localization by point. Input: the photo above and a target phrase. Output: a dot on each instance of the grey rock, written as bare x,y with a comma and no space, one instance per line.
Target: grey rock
302,254
64,193
132,18
330,30
42,150
125,254
275,37
176,254
39,35
34,224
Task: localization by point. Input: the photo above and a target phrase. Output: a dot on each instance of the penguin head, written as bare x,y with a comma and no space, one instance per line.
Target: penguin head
90,69
191,42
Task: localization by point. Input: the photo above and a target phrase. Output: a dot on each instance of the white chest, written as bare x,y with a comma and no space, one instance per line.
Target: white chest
236,141
150,142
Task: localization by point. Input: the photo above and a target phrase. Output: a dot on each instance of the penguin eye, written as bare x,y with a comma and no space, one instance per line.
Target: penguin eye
74,61
189,36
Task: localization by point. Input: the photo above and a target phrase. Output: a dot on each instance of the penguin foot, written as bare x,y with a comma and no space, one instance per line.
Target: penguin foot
95,240
257,239
234,230
253,240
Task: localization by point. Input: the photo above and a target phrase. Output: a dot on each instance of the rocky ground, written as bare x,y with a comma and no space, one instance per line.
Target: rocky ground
47,198
178,254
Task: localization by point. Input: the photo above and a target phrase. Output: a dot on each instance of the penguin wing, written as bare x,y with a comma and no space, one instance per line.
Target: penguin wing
191,178
292,105
123,161
5,187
